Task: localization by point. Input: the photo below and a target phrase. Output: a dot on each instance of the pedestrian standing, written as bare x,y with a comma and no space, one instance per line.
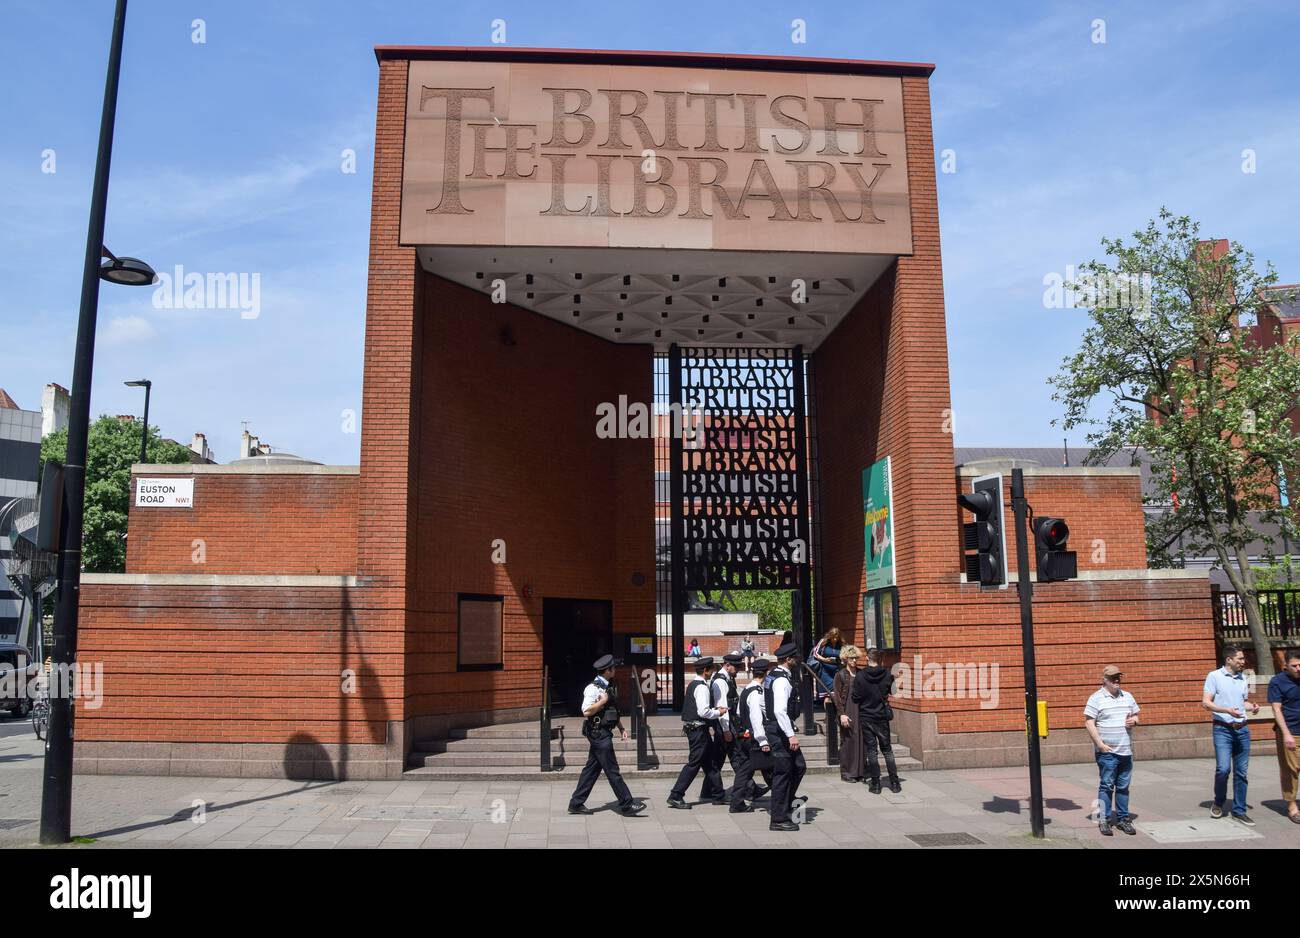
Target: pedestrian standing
600,720
1224,696
1284,695
852,756
870,694
1107,716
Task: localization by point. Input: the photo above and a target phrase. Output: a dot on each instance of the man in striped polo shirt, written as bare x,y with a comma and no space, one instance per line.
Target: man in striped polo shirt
1107,717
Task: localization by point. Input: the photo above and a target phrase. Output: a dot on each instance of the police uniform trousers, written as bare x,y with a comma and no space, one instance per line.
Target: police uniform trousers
788,768
600,757
699,757
743,788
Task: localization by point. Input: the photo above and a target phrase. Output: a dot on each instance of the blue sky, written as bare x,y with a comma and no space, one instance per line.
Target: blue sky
227,158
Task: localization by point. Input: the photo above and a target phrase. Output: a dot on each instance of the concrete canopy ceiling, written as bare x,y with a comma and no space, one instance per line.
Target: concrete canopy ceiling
660,296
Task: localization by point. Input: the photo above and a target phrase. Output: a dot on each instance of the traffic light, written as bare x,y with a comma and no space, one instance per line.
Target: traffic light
984,535
1054,561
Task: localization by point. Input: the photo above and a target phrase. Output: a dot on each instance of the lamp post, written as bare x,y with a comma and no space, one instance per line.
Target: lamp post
56,793
144,434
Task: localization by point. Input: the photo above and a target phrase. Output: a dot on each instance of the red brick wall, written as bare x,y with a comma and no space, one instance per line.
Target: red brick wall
239,664
1159,631
251,523
882,384
510,452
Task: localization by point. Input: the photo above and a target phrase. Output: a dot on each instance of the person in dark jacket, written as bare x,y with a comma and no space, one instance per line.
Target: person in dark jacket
871,687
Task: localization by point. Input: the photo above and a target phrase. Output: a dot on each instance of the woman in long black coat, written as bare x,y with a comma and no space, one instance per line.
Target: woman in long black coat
852,754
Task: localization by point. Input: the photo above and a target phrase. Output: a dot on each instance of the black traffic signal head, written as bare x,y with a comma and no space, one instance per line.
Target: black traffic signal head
984,535
1051,535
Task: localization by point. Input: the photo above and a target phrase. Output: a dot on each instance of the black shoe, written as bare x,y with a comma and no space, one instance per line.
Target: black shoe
633,809
739,807
760,791
1244,819
580,809
720,801
894,786
1126,826
678,803
783,826
1104,826
874,786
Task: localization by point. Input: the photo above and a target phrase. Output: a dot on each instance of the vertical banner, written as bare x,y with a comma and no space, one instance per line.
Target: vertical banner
878,524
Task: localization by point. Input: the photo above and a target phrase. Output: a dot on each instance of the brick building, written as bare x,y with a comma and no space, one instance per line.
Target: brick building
551,231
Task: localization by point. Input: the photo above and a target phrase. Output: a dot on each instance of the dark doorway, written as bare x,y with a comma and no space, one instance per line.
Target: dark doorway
575,632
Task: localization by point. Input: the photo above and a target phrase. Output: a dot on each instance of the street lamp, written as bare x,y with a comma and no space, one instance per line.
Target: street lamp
56,792
128,271
147,385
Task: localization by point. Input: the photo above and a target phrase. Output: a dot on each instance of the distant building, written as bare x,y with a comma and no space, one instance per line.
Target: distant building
250,445
20,454
199,445
56,404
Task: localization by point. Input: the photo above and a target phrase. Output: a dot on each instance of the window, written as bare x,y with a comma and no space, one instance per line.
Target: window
478,633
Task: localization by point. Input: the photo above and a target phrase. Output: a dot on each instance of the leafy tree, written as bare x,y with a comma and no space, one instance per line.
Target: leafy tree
112,446
1185,377
772,606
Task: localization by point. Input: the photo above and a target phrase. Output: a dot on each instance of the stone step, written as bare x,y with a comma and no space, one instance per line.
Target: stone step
509,744
439,772
626,751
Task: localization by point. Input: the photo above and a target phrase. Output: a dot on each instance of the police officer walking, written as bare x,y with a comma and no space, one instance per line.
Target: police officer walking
747,724
724,693
600,719
780,710
697,719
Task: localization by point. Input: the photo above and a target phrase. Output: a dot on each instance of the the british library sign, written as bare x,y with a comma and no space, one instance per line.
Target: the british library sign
622,156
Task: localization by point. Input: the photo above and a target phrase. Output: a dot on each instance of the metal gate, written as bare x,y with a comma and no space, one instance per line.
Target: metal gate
737,478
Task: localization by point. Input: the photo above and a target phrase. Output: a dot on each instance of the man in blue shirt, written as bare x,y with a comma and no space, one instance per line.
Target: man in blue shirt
1225,693
1284,695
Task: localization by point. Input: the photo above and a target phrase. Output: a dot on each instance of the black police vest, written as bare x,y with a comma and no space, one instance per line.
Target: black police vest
770,725
733,696
741,722
601,724
690,714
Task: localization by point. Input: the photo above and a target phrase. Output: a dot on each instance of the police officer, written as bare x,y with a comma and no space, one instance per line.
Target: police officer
600,719
697,719
725,694
747,724
780,709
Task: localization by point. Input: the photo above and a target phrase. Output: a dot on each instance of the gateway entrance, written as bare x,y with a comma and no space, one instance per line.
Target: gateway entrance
736,515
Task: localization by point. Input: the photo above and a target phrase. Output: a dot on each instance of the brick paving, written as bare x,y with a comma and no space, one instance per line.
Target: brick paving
1171,799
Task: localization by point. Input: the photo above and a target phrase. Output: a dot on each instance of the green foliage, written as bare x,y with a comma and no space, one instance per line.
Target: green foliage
772,606
1184,377
1275,576
113,445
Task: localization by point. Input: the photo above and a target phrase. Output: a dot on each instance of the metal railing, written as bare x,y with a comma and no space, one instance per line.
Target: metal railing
640,726
1279,610
832,732
545,721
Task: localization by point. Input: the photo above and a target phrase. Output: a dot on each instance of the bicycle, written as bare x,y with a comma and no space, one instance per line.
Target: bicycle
41,710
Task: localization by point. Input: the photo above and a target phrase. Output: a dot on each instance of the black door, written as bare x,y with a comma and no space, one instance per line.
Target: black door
575,632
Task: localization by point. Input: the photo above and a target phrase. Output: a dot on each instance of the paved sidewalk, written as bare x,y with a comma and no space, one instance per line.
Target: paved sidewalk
1171,799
